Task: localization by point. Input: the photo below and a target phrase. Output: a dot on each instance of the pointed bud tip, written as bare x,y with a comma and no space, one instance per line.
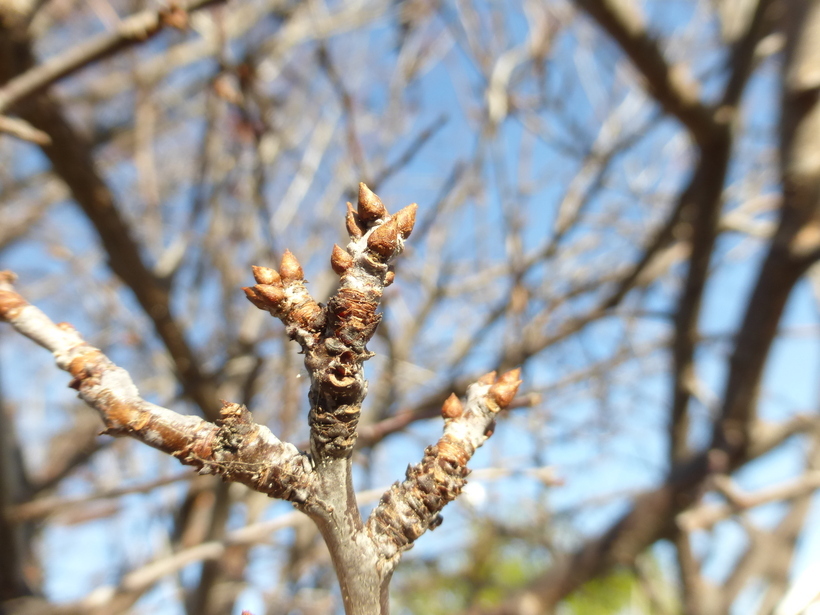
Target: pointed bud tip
370,206
452,408
514,375
352,223
290,269
340,260
272,294
503,392
487,378
7,276
250,295
383,241
266,275
406,219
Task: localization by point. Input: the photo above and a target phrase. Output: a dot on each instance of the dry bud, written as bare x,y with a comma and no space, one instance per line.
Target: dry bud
352,223
250,293
452,408
503,391
290,269
370,206
10,304
340,260
389,277
231,410
272,294
406,220
266,275
512,376
383,239
488,378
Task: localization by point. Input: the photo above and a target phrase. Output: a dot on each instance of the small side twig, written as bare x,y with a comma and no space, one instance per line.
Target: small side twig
23,130
133,30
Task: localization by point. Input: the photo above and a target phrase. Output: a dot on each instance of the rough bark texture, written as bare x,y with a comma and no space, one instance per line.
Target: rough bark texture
334,340
628,207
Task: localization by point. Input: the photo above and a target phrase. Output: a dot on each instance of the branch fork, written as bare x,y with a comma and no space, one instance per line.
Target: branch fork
334,339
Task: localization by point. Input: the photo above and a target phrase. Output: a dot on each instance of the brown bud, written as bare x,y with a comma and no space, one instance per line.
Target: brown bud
452,408
370,206
406,220
266,275
230,409
290,269
389,277
10,304
272,294
503,391
9,277
340,260
383,239
488,378
352,223
250,293
512,376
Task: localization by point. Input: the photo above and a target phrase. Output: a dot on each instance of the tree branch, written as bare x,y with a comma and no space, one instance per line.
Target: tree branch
408,509
133,30
70,154
670,85
796,243
235,447
333,339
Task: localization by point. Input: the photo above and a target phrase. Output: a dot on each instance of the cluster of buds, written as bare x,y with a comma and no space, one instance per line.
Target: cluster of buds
283,292
501,392
387,233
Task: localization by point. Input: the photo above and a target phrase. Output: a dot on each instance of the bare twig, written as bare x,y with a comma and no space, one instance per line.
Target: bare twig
136,29
23,130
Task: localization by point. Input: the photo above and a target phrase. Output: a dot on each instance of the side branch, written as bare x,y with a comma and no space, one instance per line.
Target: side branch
669,85
409,509
235,447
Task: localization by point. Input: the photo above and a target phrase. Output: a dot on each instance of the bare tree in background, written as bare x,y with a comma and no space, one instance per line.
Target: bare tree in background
619,197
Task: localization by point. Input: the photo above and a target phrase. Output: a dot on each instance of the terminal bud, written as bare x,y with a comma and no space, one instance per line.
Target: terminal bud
290,269
371,207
